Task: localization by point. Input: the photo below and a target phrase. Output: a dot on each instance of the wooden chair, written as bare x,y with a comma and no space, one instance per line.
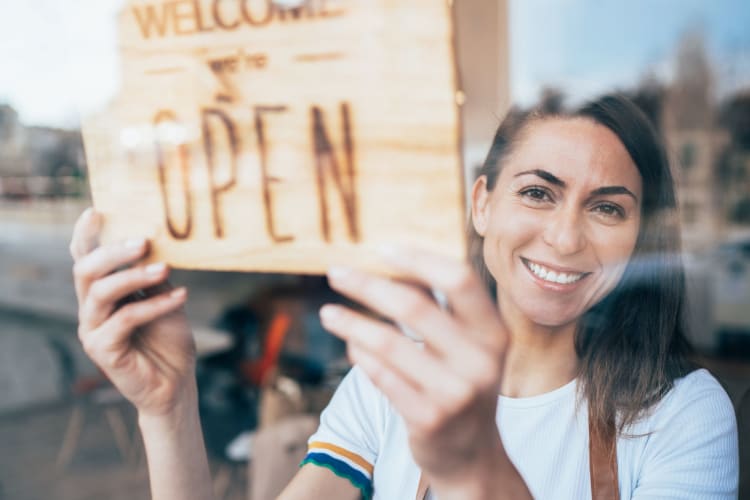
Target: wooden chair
95,393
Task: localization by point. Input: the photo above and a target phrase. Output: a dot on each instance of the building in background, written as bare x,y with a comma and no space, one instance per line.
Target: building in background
695,144
39,161
708,141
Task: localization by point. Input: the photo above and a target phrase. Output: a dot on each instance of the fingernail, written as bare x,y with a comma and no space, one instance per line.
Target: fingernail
388,250
394,253
178,293
157,268
87,213
135,243
329,313
338,273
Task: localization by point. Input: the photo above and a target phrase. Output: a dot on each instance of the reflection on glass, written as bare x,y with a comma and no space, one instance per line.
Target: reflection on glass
686,66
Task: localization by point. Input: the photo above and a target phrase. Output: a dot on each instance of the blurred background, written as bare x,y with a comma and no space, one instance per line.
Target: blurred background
65,434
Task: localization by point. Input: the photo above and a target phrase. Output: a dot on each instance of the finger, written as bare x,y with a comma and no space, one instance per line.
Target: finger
418,411
103,261
403,356
105,293
406,304
85,233
466,294
118,329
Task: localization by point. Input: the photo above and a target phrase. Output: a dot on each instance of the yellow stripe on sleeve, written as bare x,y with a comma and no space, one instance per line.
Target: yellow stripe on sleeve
344,453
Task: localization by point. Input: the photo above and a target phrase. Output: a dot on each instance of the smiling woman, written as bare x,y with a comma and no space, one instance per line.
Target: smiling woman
558,370
603,206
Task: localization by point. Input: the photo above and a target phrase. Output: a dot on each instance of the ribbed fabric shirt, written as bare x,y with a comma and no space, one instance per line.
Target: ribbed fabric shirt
685,448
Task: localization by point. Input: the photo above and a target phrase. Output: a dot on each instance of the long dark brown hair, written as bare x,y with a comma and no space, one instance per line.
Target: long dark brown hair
631,346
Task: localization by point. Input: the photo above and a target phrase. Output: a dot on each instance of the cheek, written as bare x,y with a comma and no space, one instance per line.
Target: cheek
616,244
615,249
510,217
506,234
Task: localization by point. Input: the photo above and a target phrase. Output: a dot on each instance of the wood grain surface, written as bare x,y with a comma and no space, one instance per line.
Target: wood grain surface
246,136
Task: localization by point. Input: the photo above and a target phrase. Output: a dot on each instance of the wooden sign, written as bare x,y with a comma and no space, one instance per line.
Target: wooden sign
251,135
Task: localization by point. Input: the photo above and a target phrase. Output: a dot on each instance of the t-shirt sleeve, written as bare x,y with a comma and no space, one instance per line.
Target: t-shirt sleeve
351,427
692,451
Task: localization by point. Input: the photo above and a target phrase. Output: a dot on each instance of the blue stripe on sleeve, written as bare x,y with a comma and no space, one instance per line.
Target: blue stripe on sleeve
341,469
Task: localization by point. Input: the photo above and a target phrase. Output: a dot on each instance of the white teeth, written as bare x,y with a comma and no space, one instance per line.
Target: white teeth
552,276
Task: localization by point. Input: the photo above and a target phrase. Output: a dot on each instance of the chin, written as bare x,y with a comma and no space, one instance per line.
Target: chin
552,317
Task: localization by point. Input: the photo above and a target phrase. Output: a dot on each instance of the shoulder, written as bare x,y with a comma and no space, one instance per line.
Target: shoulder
697,403
697,382
697,396
357,389
356,408
689,441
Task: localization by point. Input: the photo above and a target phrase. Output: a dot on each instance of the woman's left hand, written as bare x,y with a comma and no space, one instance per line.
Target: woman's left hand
447,389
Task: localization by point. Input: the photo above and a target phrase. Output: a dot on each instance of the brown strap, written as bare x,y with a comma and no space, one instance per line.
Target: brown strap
603,463
422,488
602,466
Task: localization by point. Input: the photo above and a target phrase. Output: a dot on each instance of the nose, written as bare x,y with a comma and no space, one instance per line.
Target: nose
566,232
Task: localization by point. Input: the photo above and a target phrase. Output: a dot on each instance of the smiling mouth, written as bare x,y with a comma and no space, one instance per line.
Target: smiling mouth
545,274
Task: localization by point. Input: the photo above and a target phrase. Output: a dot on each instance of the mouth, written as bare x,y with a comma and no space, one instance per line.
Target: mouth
556,276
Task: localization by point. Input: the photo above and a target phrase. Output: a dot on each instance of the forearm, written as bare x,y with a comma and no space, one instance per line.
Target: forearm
177,461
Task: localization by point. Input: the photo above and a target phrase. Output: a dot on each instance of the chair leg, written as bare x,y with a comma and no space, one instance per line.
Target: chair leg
138,453
120,431
222,482
228,479
70,438
239,478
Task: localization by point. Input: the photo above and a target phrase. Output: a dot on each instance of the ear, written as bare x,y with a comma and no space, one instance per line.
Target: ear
480,198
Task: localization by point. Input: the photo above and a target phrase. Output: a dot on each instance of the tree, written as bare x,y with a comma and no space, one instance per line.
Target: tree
650,96
734,116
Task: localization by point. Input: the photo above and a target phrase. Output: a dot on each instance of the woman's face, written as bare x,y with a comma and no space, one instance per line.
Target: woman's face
562,220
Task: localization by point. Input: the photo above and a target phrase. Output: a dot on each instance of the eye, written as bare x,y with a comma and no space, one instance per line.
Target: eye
536,194
610,210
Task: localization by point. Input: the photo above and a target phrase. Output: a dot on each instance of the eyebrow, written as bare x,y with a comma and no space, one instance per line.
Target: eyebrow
602,191
544,175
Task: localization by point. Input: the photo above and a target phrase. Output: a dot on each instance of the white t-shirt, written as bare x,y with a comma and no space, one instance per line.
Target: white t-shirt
686,448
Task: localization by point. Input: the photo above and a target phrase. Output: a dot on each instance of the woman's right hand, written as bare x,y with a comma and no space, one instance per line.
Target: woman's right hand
131,322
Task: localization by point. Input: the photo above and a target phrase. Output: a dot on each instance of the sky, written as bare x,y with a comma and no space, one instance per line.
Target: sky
588,46
57,57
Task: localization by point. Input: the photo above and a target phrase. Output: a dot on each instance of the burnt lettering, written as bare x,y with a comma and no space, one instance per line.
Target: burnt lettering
187,17
325,161
152,19
296,12
199,22
324,12
256,61
162,117
208,145
250,16
220,67
220,21
265,177
323,56
221,143
184,17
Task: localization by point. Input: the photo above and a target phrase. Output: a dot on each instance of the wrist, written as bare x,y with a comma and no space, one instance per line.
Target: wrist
492,476
179,414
